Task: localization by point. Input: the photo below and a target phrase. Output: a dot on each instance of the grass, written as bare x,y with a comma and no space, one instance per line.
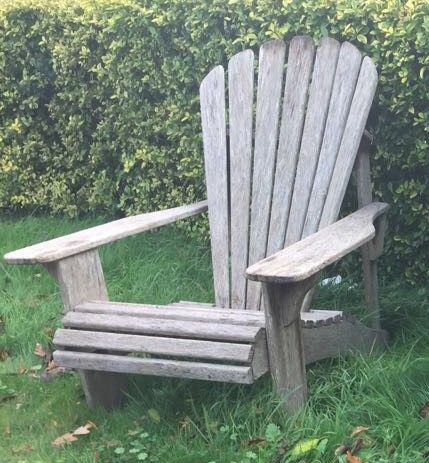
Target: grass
182,421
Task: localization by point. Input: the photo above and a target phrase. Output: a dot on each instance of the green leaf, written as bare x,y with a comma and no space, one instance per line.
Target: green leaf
154,415
304,446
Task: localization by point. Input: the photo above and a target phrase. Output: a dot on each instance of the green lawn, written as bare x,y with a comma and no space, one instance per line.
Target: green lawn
190,421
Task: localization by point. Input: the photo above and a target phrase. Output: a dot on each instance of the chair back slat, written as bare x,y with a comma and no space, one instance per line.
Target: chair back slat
353,133
212,101
299,66
317,110
289,179
270,79
241,96
346,75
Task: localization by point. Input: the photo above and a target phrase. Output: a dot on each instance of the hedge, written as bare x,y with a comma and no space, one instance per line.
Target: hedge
99,101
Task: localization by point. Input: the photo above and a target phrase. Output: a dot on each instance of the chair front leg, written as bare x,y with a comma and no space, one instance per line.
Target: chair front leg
282,304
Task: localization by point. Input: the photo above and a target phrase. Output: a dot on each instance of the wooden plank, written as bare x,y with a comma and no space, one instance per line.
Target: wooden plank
91,238
240,87
80,277
270,77
156,367
299,67
340,338
212,99
160,327
314,126
310,255
284,337
369,266
195,313
346,75
359,110
260,363
209,350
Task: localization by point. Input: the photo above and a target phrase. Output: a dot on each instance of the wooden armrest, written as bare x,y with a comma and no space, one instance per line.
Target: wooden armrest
91,238
305,258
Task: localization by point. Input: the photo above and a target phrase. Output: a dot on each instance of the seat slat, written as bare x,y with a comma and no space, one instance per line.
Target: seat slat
209,350
157,367
270,79
240,84
176,312
212,98
161,327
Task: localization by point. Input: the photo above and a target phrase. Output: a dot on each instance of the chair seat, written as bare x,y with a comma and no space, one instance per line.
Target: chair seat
185,339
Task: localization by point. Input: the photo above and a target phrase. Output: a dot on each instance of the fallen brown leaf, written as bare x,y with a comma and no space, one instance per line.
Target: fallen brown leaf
4,355
82,430
257,441
424,411
39,351
21,369
66,438
7,430
351,458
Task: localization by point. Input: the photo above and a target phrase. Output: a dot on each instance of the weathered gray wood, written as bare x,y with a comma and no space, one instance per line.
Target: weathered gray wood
80,277
75,243
346,75
310,255
209,350
299,67
212,100
359,110
175,312
270,77
369,266
260,364
157,367
282,304
317,110
161,327
340,338
240,86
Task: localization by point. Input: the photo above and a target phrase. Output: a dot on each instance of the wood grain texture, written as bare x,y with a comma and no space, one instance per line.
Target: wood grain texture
339,339
310,255
369,266
346,75
80,277
270,79
175,312
317,109
353,132
84,240
212,100
160,327
210,350
156,367
240,91
284,338
299,67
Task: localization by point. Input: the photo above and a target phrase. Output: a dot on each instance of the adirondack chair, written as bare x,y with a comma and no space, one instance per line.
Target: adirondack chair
275,187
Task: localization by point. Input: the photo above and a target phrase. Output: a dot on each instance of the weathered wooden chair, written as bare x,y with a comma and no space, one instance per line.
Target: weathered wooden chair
277,167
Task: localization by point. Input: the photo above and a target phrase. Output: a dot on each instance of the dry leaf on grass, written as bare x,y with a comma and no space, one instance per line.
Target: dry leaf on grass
39,351
4,355
424,411
70,437
352,459
358,431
